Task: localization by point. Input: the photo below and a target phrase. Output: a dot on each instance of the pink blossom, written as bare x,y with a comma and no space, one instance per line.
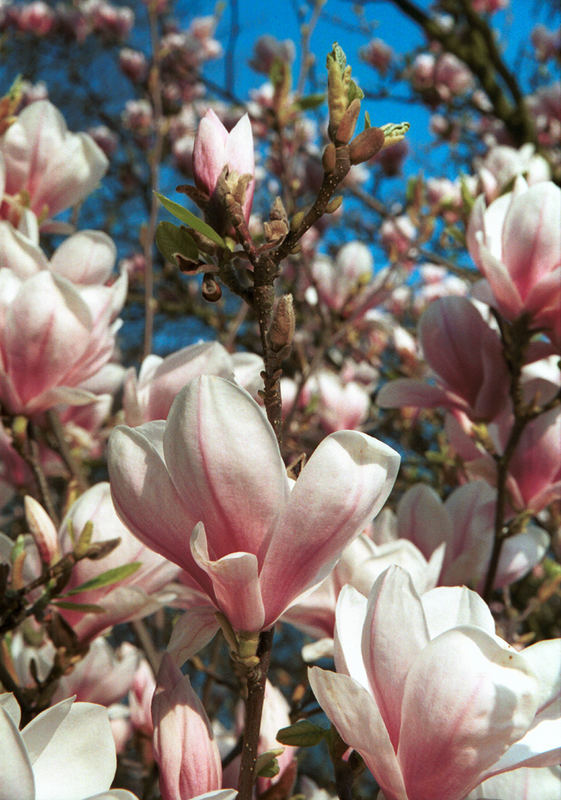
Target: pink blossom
139,594
502,164
140,699
255,544
339,282
342,406
546,43
103,676
55,168
451,76
215,149
397,235
36,18
50,342
430,697
464,523
184,745
361,562
104,138
267,49
516,244
489,6
466,355
378,54
133,63
160,379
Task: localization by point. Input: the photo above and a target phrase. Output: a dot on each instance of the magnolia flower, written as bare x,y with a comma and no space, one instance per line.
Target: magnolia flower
466,355
150,395
516,245
464,523
184,745
430,697
133,597
55,168
66,753
50,342
215,149
361,562
214,471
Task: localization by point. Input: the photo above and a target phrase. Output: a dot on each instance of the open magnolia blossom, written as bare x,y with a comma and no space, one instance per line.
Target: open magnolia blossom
466,355
430,697
516,244
44,167
208,489
66,753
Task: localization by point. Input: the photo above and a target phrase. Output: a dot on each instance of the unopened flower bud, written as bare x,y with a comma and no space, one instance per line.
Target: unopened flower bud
282,327
297,220
211,290
334,204
42,529
366,145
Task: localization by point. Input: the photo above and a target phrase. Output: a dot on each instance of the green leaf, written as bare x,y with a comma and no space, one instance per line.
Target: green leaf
171,239
86,608
267,765
367,123
309,101
106,578
302,734
190,219
353,92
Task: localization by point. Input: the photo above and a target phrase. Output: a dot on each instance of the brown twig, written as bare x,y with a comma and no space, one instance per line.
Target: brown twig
256,679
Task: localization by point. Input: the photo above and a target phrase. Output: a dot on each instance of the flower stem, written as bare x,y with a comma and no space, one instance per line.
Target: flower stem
256,679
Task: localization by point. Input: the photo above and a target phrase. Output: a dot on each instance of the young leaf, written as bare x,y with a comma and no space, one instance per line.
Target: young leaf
106,578
190,219
171,240
302,734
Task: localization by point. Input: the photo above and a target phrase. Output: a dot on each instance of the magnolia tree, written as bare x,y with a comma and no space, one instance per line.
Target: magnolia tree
355,465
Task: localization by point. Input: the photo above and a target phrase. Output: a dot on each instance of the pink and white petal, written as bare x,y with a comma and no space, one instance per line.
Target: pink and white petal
353,711
411,392
176,370
42,728
87,257
466,700
184,744
507,296
235,489
539,747
193,630
393,605
521,784
545,659
449,607
209,151
520,554
235,581
532,235
17,775
78,758
19,253
144,496
47,328
344,484
423,519
350,615
545,295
